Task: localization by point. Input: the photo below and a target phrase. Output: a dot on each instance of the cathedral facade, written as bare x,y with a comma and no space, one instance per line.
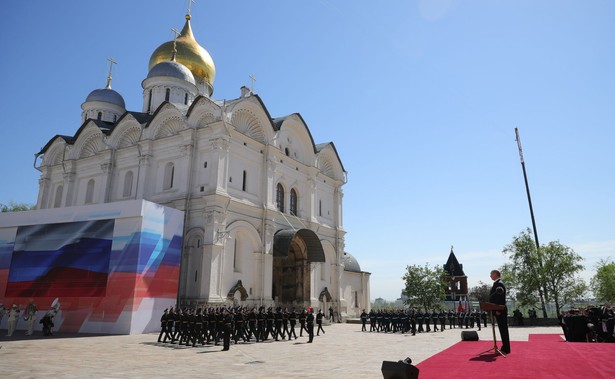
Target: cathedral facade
262,201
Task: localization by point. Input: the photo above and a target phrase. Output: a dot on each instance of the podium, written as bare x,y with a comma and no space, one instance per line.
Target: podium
491,307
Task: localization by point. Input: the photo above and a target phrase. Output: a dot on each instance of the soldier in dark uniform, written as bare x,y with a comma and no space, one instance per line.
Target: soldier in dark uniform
302,318
212,320
442,318
372,321
319,322
278,324
227,321
163,324
419,320
497,295
239,325
262,324
427,317
309,322
434,317
292,319
270,326
451,319
252,319
363,320
413,321
198,328
285,331
483,316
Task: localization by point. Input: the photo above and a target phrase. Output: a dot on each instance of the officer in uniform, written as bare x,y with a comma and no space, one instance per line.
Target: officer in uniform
319,322
163,324
292,319
309,322
363,320
302,318
497,295
227,329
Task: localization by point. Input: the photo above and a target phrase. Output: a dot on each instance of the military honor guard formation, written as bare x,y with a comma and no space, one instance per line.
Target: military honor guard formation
421,321
201,326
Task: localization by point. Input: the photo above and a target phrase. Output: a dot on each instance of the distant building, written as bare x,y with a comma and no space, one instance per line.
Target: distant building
457,279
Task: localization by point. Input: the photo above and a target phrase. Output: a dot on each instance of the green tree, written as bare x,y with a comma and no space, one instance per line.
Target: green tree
603,283
424,286
15,207
542,275
522,273
480,292
560,268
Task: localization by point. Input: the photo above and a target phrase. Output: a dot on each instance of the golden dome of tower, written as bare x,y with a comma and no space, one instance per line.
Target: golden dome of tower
191,55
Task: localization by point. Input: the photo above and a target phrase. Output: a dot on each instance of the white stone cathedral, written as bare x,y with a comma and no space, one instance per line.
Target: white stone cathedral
262,201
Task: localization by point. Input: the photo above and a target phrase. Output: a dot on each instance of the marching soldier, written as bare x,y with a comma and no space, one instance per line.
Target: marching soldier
363,321
302,318
292,319
309,321
163,324
319,322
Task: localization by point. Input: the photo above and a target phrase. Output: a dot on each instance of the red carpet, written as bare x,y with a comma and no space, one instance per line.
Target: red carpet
543,356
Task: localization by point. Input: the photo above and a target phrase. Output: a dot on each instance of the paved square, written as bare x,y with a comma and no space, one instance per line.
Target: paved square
343,352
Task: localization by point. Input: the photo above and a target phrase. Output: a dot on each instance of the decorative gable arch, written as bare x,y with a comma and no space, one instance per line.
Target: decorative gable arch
203,112
328,163
55,153
167,121
295,136
250,118
89,142
126,133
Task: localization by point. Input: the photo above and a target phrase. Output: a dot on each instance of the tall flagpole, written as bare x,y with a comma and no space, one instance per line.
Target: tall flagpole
529,200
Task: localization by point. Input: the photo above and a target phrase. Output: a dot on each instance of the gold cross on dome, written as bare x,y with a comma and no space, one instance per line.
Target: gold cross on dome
111,63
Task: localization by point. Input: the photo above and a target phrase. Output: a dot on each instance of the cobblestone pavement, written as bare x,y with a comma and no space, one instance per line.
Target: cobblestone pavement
342,352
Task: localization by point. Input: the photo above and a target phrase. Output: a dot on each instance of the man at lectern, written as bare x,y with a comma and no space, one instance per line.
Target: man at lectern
498,296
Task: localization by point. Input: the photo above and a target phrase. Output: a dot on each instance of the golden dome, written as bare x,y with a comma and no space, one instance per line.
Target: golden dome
189,53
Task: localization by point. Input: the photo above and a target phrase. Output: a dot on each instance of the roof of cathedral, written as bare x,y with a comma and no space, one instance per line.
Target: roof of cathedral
350,263
172,69
452,266
106,95
189,53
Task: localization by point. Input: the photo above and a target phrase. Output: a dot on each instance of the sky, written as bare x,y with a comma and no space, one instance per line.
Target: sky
420,98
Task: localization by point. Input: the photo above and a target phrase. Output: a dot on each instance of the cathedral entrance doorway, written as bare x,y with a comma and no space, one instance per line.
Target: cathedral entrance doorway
293,253
291,276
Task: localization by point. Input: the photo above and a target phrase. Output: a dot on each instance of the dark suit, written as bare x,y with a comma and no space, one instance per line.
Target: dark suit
498,296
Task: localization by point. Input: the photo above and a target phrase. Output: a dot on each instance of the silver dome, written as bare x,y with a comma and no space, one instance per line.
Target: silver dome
350,263
172,69
106,95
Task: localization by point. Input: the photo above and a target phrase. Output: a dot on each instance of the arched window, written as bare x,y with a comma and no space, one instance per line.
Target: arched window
287,152
99,115
167,94
320,207
186,99
127,184
244,183
149,102
279,198
169,172
89,192
57,203
293,202
236,256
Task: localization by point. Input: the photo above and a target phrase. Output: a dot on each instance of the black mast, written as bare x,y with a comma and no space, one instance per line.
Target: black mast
529,200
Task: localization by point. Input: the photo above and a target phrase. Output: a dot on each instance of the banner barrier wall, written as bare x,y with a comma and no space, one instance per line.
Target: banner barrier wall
114,267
